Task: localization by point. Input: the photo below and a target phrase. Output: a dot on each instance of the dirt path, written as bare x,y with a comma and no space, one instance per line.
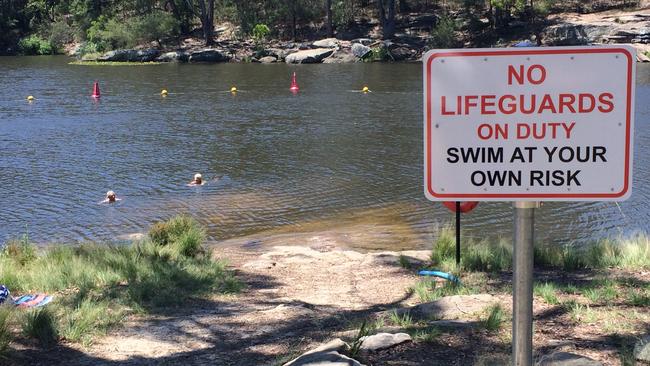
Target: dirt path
295,297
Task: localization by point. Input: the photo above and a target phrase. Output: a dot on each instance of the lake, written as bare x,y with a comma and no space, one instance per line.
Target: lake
327,162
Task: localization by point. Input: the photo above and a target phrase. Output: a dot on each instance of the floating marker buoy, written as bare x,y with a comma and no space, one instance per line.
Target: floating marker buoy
294,84
365,89
30,98
164,92
233,89
96,93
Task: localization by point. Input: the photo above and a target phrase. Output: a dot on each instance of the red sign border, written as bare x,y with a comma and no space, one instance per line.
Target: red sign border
520,52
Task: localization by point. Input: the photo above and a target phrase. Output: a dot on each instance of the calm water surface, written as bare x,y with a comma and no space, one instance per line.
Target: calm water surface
328,162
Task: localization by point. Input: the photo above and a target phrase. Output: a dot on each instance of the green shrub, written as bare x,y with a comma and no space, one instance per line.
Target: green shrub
260,32
60,34
40,324
110,34
180,236
443,34
35,45
547,291
155,26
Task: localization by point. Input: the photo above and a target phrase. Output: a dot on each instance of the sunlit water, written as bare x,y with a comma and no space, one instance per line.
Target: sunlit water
328,161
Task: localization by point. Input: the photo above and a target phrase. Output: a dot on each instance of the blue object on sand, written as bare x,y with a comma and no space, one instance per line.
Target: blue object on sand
4,293
445,275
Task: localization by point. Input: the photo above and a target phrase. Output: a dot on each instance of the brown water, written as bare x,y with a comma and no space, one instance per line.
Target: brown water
330,163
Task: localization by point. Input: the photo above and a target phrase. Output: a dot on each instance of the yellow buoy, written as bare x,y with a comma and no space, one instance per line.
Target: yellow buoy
233,89
164,92
30,98
365,89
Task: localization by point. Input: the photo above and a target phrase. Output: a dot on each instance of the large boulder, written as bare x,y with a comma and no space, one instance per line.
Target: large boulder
309,56
642,349
565,34
360,50
326,43
449,307
130,56
380,341
340,57
174,56
567,359
209,55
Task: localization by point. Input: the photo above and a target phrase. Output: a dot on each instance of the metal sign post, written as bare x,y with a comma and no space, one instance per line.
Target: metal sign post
457,234
522,292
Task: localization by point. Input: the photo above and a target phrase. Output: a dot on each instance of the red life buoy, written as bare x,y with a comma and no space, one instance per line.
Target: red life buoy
465,207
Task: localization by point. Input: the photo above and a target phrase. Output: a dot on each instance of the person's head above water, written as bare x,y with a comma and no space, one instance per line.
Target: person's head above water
198,178
110,196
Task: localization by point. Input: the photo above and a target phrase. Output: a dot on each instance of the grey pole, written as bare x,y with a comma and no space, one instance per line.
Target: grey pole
522,292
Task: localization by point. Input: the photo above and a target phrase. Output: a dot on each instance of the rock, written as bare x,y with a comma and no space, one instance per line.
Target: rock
175,56
324,359
381,341
130,56
325,355
449,307
309,56
641,57
326,43
268,60
340,57
363,41
567,359
278,53
642,349
209,55
401,53
566,34
359,50
90,57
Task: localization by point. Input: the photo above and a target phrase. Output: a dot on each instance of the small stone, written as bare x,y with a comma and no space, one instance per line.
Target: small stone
567,359
642,349
268,60
381,341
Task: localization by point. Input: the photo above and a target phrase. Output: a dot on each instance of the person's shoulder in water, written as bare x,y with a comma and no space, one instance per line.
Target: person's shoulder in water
111,197
197,181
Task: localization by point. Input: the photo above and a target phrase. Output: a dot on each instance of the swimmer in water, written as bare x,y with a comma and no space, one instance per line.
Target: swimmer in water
197,181
110,197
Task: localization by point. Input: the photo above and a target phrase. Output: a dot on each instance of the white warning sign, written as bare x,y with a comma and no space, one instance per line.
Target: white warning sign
529,124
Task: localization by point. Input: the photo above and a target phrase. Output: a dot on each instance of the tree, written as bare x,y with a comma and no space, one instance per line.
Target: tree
328,6
206,16
387,18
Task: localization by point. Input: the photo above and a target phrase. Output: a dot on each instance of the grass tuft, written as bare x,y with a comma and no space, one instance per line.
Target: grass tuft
40,324
5,334
494,319
548,292
429,290
428,335
405,320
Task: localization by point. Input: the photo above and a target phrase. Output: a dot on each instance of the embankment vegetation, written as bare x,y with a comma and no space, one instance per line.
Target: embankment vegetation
96,286
45,27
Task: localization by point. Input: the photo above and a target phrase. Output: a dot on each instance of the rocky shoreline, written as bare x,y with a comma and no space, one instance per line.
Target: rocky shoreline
408,45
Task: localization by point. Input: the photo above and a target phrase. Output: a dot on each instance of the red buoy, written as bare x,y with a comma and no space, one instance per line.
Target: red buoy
96,93
294,84
464,206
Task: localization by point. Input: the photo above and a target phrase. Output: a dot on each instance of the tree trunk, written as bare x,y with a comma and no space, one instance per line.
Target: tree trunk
387,20
330,29
207,20
403,6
